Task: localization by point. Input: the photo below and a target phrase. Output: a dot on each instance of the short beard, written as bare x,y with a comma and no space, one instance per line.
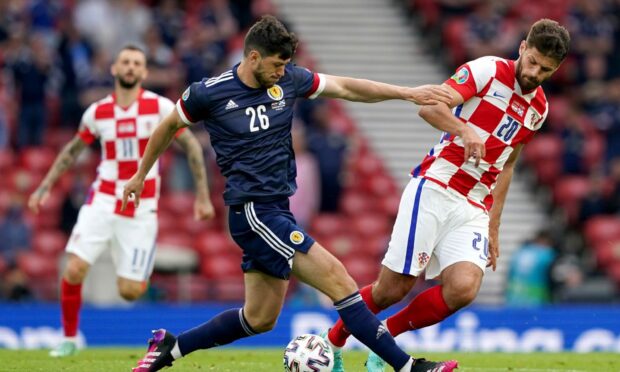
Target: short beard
127,85
259,77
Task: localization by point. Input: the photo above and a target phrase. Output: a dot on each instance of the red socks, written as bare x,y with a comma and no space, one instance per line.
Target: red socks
425,309
338,334
70,303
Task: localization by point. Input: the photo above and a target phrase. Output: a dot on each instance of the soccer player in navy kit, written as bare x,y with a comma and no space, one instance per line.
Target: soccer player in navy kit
248,113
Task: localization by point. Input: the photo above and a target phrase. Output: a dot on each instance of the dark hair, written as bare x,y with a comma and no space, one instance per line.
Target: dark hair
550,38
270,38
133,47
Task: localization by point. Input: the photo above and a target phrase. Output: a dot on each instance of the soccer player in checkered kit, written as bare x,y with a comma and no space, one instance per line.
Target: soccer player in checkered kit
449,215
248,111
122,122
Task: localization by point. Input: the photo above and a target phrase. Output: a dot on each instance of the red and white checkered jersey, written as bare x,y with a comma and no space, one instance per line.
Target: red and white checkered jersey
501,114
123,133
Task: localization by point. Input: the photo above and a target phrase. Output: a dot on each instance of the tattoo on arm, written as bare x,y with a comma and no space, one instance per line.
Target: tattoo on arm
64,160
193,149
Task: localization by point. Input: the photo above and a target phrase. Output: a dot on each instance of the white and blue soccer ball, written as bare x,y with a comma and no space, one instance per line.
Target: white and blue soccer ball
308,353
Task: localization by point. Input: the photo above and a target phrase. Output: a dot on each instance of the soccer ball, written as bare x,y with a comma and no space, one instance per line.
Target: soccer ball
308,353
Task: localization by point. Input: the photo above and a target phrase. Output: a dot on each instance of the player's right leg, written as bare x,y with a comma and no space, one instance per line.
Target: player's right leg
88,240
264,297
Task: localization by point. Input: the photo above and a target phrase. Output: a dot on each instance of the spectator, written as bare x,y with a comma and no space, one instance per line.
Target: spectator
74,199
15,233
529,273
15,286
329,148
573,135
169,19
596,200
306,200
32,70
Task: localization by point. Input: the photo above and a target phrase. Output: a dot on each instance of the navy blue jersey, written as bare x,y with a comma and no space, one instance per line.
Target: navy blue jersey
250,130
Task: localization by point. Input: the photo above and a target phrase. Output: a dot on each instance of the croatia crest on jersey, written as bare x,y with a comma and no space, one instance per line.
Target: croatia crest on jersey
275,92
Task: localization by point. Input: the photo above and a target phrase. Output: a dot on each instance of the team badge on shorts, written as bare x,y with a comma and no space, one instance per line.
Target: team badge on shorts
423,259
185,95
275,92
297,237
461,75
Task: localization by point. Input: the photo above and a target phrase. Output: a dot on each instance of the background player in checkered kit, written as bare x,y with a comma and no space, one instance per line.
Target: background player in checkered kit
122,122
248,112
449,215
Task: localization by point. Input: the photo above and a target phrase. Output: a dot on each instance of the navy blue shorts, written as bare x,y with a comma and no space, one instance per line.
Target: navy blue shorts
268,235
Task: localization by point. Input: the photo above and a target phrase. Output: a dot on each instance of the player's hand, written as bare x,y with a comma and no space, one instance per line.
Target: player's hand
203,209
133,188
38,198
493,248
430,95
474,147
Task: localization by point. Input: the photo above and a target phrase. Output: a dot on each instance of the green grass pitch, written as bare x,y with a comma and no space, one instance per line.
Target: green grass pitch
270,360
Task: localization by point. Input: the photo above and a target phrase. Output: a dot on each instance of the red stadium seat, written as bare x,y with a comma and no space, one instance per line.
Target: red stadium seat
175,239
342,244
229,290
7,159
178,203
548,171
37,266
543,147
607,252
49,242
326,224
3,265
363,269
37,159
371,225
601,229
568,193
224,266
215,243
593,151
355,202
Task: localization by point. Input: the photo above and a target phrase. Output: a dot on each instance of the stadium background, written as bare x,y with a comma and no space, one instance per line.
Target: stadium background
353,160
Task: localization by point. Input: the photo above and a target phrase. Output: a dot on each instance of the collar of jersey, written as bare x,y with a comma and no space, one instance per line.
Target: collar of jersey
241,83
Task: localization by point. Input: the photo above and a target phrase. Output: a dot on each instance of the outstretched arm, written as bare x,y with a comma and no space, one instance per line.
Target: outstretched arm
203,208
158,142
64,160
499,198
362,90
440,116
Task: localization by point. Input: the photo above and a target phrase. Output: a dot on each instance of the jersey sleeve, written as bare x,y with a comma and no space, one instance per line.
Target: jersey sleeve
166,106
88,129
193,104
470,78
307,83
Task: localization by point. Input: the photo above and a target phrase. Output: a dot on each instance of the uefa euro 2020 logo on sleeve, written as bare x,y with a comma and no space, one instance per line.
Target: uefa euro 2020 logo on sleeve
185,95
461,75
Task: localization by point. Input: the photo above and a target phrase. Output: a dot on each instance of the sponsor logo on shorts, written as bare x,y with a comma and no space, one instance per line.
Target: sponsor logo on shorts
297,237
423,259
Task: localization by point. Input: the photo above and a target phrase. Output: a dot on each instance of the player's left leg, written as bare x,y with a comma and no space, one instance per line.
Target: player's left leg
133,251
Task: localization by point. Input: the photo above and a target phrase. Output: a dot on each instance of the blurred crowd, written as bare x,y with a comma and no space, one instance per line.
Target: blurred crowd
575,160
55,57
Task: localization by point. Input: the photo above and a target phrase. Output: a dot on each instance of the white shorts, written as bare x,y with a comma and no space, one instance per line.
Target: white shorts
434,229
132,240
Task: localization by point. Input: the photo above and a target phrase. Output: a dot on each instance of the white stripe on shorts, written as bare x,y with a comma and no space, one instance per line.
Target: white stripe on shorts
261,229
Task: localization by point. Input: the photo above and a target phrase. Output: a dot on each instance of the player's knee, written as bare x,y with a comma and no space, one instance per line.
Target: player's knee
263,323
75,271
460,294
131,291
342,283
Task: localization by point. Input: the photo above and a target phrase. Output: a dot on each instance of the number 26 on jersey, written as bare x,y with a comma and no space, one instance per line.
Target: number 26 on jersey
258,119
